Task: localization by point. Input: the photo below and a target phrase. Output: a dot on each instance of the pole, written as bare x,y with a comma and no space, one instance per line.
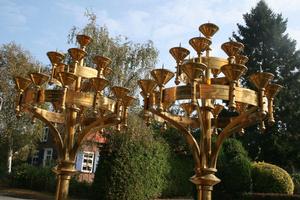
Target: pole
1,103
9,159
62,189
9,153
64,171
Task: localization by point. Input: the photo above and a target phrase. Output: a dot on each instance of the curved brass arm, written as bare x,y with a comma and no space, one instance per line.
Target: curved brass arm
107,121
242,121
188,136
39,113
202,155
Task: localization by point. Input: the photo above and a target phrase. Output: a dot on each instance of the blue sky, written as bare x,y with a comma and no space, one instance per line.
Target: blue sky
42,25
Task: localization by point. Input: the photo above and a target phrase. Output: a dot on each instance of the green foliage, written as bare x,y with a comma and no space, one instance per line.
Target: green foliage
136,167
31,177
268,45
180,162
43,179
79,189
234,168
271,179
130,61
254,196
19,135
178,176
296,180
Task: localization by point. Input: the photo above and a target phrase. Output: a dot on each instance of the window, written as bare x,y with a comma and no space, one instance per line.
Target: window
87,162
35,158
47,156
45,134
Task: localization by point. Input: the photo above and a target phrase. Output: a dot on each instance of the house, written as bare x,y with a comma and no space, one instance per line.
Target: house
86,159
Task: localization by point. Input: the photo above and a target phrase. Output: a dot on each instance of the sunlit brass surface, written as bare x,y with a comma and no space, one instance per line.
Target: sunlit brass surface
55,57
261,79
147,86
241,59
38,78
208,29
200,44
79,105
179,54
162,76
83,41
209,86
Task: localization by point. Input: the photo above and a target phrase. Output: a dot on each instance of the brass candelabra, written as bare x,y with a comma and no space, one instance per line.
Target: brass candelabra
77,103
202,94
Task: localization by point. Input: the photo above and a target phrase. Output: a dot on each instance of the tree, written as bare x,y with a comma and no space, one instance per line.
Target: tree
234,168
16,135
130,61
134,166
270,48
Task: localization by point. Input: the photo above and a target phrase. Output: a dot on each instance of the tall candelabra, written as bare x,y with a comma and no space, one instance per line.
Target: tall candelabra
202,94
77,103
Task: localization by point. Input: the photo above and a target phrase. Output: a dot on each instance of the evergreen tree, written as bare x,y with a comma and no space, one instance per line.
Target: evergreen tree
270,48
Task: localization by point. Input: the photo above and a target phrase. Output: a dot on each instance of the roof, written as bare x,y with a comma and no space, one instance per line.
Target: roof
96,137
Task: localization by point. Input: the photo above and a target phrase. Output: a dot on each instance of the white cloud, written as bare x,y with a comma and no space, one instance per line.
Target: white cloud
167,23
294,33
103,18
72,9
284,6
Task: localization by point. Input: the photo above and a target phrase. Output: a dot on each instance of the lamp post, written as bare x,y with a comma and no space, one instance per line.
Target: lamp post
202,94
77,104
1,103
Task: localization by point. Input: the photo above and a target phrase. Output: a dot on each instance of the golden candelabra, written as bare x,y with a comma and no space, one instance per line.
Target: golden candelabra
78,102
202,96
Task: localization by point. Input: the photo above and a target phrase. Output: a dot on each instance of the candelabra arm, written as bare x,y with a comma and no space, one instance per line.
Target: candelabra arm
242,121
107,121
193,145
203,128
38,113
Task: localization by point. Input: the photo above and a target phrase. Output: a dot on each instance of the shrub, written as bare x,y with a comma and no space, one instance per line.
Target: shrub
135,169
181,169
296,180
270,178
234,168
254,196
268,196
43,179
79,189
31,177
180,162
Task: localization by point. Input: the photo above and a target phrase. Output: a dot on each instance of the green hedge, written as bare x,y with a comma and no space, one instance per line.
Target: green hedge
234,168
178,184
31,177
80,189
268,196
270,178
180,162
296,180
136,167
43,179
253,196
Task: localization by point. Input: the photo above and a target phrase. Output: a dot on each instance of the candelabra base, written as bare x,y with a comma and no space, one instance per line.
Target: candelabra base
205,183
65,170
